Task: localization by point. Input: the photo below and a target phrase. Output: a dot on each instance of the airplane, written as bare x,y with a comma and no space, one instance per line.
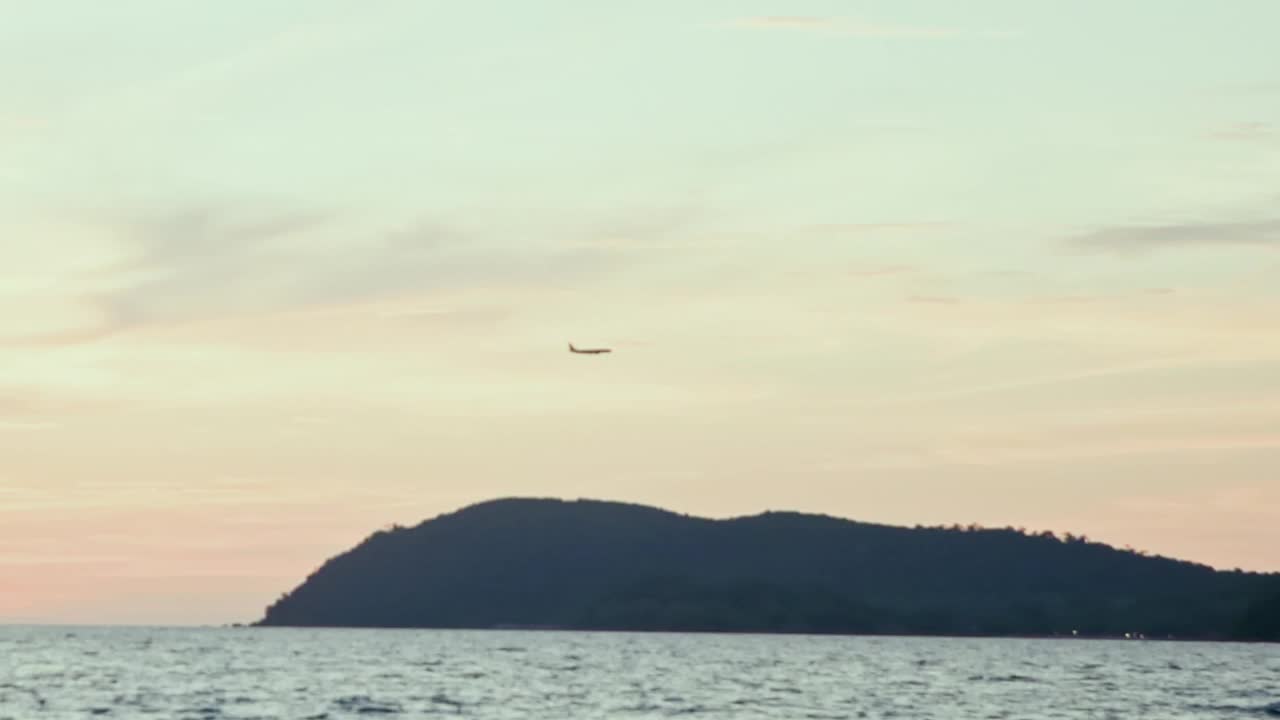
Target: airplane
588,351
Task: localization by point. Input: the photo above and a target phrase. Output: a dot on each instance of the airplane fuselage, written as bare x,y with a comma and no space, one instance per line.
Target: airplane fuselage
589,351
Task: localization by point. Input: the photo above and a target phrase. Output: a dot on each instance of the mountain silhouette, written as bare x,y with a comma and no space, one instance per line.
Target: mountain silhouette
589,564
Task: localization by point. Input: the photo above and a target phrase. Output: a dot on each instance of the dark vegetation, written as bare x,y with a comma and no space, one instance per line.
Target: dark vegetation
600,565
1261,621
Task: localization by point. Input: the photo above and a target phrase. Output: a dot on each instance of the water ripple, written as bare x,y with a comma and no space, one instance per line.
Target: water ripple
270,674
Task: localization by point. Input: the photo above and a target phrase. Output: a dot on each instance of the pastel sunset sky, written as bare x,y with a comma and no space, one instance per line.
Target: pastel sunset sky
278,274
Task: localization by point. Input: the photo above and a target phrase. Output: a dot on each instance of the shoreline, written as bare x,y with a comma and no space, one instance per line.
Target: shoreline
764,633
69,627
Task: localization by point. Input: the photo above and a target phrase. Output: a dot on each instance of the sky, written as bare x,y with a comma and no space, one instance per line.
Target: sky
277,274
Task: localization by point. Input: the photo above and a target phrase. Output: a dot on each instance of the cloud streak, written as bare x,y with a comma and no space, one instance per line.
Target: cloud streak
21,124
898,227
835,26
1246,132
883,271
852,28
641,229
1133,239
210,262
933,300
26,425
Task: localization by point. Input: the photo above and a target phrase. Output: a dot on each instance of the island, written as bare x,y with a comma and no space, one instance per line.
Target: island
542,563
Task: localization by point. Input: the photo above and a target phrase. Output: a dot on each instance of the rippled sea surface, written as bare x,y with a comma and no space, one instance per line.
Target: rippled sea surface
216,674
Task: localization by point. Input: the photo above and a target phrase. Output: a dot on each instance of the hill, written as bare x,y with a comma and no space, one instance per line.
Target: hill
590,564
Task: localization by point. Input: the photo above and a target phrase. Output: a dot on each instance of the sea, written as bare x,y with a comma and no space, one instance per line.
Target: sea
49,673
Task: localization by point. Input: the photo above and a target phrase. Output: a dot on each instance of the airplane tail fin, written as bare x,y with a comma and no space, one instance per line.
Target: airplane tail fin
572,348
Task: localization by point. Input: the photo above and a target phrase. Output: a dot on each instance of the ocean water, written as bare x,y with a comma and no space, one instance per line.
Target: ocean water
240,673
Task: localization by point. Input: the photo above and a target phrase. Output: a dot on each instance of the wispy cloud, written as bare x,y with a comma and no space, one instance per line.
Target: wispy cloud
639,229
1246,132
210,234
218,261
21,123
25,405
835,26
949,388
1145,238
1087,299
1017,447
106,327
933,300
852,28
26,425
295,42
888,227
882,271
192,261
804,21
24,410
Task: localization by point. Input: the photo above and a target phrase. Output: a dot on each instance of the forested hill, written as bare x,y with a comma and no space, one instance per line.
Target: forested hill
603,565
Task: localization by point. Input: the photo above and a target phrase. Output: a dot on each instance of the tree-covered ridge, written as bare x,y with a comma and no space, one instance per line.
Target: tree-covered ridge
600,565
